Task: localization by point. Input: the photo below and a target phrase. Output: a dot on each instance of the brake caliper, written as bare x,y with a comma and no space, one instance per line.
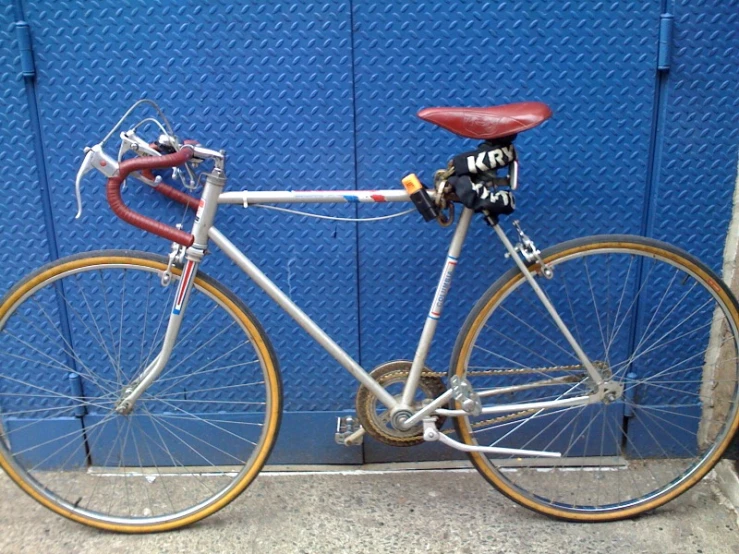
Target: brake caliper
531,253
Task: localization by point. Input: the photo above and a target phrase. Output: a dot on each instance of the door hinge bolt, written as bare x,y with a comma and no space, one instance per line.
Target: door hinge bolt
664,49
25,46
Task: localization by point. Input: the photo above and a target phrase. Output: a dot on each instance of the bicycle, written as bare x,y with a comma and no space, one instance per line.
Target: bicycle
593,381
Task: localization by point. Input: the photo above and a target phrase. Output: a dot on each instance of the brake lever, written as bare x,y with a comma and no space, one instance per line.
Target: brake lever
95,158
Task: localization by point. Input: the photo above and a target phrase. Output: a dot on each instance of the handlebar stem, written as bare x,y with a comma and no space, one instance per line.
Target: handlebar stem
207,207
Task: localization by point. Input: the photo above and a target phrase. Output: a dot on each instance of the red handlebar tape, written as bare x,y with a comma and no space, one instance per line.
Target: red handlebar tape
113,193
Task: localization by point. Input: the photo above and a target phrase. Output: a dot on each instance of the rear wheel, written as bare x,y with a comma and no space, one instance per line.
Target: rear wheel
73,335
655,322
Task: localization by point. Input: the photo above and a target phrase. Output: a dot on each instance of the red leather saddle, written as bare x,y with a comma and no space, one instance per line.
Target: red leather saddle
488,123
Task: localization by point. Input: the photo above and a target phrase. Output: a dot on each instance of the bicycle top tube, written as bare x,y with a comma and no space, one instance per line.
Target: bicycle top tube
248,197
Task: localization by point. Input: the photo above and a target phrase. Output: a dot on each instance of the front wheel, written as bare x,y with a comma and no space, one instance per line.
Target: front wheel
656,323
73,335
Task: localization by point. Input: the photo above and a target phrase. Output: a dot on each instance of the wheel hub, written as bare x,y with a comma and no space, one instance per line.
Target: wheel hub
612,391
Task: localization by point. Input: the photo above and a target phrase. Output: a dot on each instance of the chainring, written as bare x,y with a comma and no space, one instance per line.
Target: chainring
375,417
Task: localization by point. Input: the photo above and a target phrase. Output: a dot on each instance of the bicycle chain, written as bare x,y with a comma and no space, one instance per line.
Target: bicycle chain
519,371
478,373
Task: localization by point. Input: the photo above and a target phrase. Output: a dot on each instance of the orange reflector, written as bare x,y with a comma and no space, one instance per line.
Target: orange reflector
411,183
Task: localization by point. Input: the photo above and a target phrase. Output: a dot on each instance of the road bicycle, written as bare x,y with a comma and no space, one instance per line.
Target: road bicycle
593,381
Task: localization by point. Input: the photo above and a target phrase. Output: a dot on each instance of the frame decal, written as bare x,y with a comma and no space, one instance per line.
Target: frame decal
201,206
188,274
445,285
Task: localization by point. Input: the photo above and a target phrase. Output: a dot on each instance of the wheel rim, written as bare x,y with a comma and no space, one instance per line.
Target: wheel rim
196,437
635,453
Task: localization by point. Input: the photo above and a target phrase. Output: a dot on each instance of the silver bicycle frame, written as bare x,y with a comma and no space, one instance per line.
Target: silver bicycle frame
204,230
247,198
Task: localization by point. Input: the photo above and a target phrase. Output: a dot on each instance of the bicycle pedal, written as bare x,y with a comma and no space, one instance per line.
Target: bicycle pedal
349,432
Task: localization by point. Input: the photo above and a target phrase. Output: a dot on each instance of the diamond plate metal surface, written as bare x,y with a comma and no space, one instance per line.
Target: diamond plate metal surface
699,145
35,380
23,246
293,90
582,172
270,83
698,169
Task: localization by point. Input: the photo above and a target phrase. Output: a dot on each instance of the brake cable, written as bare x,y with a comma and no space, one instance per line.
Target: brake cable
334,218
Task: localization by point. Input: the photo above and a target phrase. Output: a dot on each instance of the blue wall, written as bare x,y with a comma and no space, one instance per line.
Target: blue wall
323,95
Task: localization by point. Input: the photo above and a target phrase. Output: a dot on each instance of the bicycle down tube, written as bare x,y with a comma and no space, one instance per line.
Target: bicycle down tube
247,198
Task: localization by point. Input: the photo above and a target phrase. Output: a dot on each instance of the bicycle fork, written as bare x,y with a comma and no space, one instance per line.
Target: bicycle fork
192,258
136,388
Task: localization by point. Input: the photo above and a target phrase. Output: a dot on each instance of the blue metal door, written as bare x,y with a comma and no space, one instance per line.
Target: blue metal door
693,172
28,238
324,95
24,246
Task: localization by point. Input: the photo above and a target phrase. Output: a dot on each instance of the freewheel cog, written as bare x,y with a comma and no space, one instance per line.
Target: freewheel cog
375,417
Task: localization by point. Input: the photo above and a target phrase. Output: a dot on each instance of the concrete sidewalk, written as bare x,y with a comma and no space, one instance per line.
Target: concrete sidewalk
376,512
